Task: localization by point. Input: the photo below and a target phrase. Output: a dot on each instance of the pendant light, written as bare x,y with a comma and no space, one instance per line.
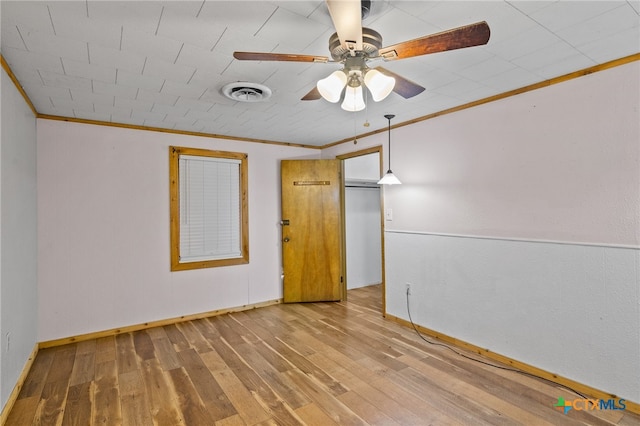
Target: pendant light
389,178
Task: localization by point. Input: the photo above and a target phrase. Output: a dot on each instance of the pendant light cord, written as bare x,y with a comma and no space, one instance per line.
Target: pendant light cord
389,117
389,142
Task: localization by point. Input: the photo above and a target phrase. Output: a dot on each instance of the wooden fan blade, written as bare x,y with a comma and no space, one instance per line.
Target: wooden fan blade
469,35
313,95
263,56
347,20
405,88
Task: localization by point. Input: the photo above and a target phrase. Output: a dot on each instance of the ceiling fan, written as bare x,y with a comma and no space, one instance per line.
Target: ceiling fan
354,46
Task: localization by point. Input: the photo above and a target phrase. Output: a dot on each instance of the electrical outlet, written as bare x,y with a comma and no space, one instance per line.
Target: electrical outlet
408,289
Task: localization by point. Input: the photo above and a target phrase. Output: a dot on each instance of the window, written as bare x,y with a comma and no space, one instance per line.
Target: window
209,213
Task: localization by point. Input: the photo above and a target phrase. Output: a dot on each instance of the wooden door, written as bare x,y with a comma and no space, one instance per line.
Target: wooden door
312,230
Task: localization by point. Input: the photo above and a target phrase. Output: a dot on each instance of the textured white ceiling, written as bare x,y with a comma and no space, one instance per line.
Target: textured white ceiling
163,64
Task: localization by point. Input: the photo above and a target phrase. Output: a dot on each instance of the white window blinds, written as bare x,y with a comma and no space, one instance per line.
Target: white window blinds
210,208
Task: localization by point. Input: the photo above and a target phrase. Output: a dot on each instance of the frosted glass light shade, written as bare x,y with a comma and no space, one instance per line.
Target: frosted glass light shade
379,85
330,88
389,179
353,100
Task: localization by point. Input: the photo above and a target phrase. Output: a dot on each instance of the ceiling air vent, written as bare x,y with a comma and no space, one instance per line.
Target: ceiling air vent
243,91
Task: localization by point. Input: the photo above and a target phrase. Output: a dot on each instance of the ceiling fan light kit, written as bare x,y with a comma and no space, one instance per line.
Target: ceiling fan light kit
379,85
354,75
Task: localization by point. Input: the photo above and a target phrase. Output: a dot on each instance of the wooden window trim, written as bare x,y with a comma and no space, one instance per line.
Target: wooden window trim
174,191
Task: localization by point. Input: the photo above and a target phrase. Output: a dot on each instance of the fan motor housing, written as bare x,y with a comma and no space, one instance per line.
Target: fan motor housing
371,43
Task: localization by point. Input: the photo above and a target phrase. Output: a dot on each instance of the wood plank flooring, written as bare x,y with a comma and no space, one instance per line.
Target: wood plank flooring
314,364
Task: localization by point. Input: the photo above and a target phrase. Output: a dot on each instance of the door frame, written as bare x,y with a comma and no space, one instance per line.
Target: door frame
343,157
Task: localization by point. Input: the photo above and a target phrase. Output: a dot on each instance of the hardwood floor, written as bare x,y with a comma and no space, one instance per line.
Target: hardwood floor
315,364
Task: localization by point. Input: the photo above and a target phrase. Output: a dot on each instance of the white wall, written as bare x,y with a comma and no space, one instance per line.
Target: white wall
551,178
568,309
559,163
18,242
103,235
